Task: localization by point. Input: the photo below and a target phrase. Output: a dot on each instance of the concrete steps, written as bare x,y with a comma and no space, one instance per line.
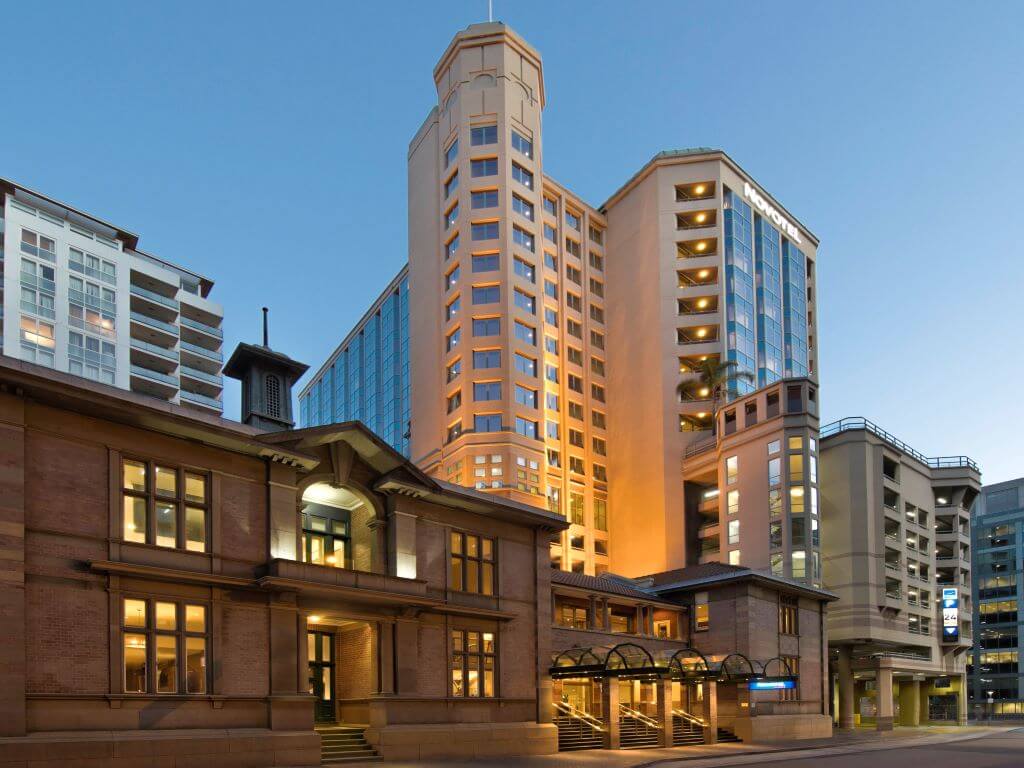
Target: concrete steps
575,734
344,744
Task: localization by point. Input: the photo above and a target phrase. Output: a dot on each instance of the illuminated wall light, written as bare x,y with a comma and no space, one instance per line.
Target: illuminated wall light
702,303
702,332
702,415
699,189
705,392
701,218
701,245
703,273
313,618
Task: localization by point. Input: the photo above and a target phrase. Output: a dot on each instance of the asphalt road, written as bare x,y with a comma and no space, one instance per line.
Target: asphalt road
998,750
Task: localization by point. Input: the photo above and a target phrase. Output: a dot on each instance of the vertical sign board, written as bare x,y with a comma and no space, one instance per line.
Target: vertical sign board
950,614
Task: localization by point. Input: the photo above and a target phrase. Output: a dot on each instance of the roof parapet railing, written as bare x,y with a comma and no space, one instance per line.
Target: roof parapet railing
859,422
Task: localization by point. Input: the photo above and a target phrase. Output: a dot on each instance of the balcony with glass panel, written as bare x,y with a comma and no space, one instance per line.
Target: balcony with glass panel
153,382
154,331
201,358
152,356
202,401
146,301
893,592
893,560
200,382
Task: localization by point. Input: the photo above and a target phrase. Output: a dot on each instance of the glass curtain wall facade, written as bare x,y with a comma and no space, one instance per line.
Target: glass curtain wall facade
996,687
766,328
367,377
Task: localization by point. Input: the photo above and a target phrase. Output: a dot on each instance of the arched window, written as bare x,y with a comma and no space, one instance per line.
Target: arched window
273,396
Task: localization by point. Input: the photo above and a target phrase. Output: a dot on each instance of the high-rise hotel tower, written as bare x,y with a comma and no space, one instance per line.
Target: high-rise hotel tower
533,344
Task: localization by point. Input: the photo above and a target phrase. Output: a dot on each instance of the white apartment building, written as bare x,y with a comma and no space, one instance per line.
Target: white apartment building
79,296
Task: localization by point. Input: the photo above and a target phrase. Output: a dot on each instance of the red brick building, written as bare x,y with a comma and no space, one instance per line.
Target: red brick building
168,574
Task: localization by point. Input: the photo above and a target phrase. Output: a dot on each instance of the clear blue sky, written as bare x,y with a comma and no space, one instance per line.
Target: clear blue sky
264,145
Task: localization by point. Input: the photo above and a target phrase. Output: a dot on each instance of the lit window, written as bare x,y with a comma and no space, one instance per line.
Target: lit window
473,664
732,502
472,564
166,632
166,506
734,557
701,615
522,144
799,560
734,531
732,468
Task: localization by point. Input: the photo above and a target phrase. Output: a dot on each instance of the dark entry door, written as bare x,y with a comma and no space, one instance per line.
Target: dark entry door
942,707
321,674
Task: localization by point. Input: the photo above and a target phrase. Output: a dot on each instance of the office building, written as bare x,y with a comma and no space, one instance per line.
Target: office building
896,551
79,296
538,325
997,522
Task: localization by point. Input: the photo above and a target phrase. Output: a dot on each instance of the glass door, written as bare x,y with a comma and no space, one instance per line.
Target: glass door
321,674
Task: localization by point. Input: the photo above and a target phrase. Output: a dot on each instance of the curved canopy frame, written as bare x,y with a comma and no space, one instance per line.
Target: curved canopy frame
622,660
736,667
689,664
777,667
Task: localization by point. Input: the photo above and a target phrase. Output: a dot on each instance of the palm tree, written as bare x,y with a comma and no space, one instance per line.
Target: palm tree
714,380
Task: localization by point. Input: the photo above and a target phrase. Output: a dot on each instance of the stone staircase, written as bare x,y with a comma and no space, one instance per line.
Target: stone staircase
725,736
574,734
686,733
344,744
634,733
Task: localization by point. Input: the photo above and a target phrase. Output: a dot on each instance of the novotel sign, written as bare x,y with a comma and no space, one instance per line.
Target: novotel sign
757,200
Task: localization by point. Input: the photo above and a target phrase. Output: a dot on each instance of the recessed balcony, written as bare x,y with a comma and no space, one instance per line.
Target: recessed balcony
696,219
697,277
157,305
201,358
201,382
698,421
690,365
699,305
152,330
695,190
693,249
697,334
153,356
152,382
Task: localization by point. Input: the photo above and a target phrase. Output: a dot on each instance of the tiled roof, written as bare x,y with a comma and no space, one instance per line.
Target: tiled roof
695,572
599,584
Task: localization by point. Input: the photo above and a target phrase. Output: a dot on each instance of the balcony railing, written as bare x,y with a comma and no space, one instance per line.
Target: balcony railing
37,309
156,349
201,375
198,326
195,397
99,274
151,321
34,281
146,373
89,300
39,253
202,351
858,422
145,293
89,356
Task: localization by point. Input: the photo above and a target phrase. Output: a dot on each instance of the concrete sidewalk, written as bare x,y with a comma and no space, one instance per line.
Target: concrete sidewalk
718,755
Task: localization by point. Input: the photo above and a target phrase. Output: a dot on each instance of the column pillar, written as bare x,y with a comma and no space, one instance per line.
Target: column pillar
402,544
710,712
961,701
641,626
592,622
664,686
606,615
846,687
379,555
910,702
610,709
883,691
407,652
14,650
385,657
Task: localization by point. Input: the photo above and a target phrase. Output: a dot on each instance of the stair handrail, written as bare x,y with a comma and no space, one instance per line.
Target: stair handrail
682,713
650,722
578,714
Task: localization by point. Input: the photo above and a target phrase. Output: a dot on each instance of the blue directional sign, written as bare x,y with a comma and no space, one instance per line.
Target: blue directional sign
950,614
